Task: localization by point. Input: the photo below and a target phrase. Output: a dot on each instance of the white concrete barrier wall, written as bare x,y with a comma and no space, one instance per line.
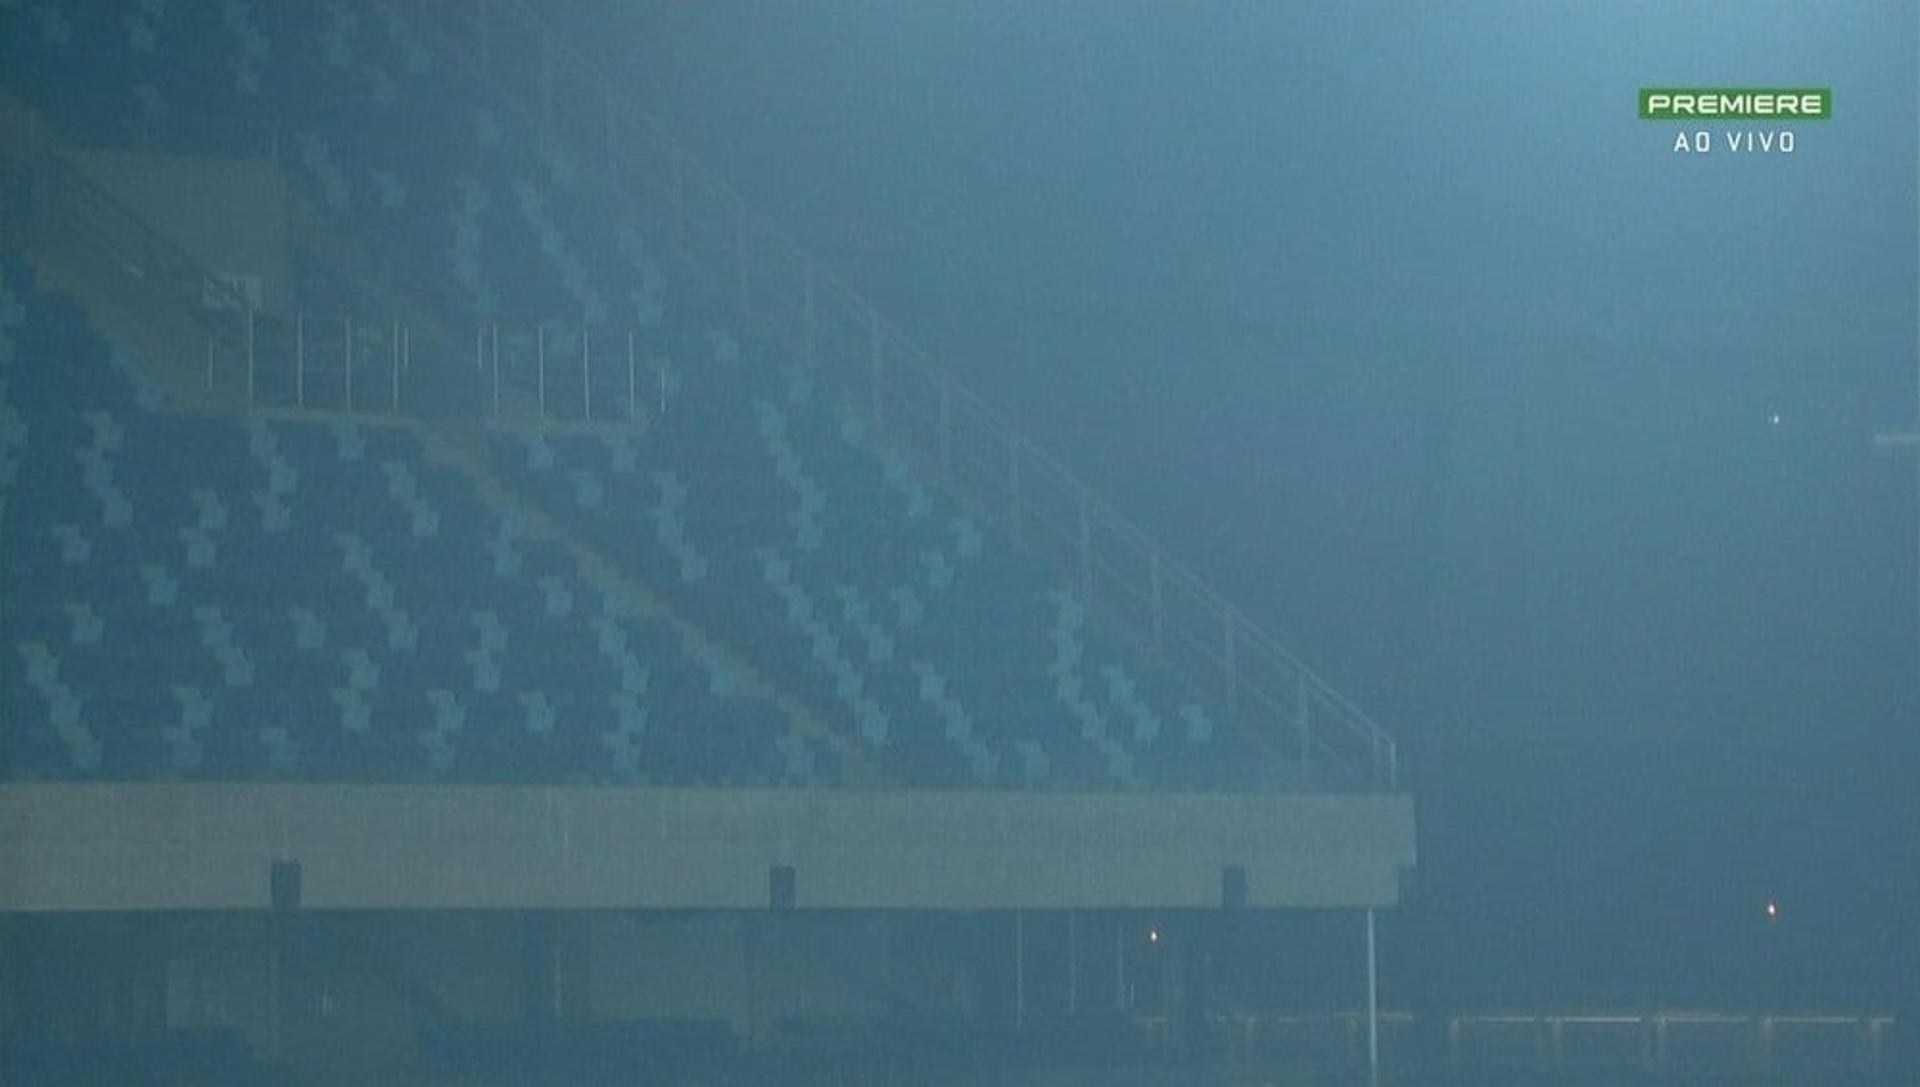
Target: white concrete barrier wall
201,846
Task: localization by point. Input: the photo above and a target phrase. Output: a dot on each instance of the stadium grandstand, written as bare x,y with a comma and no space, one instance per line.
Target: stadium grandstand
480,604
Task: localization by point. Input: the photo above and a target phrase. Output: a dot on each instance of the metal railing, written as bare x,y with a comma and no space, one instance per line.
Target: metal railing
544,372
1672,1041
556,373
334,363
1700,1043
916,404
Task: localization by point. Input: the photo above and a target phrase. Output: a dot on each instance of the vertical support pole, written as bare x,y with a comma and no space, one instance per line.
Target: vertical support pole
946,425
633,402
275,936
1019,969
586,372
1013,487
1373,1007
546,86
486,36
877,364
394,400
606,122
1153,588
1073,964
806,279
676,159
251,362
1301,708
740,251
1086,548
346,325
1227,648
556,965
540,363
300,358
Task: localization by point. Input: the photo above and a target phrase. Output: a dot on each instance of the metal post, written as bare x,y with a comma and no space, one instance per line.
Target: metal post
1301,706
556,966
1233,678
1073,965
876,362
300,358
540,359
1013,487
675,157
1153,580
546,87
1086,549
806,280
1019,969
394,349
740,249
586,373
274,999
1373,1008
946,425
250,358
347,324
606,121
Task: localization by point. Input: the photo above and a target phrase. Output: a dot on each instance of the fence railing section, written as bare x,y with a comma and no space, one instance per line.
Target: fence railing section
915,403
332,363
1696,1042
1720,1046
542,372
552,372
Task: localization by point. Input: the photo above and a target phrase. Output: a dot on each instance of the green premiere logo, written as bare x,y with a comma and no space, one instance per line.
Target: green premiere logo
1736,103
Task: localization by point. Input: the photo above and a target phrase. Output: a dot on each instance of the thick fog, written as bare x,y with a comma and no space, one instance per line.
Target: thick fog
1547,443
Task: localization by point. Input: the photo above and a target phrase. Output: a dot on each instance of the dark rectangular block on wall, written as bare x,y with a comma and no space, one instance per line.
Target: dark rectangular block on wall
284,885
782,887
1233,887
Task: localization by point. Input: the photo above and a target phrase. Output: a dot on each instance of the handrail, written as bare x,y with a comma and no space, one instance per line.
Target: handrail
641,154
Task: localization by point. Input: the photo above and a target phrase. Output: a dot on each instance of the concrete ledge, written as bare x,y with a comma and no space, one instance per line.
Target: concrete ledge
209,846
